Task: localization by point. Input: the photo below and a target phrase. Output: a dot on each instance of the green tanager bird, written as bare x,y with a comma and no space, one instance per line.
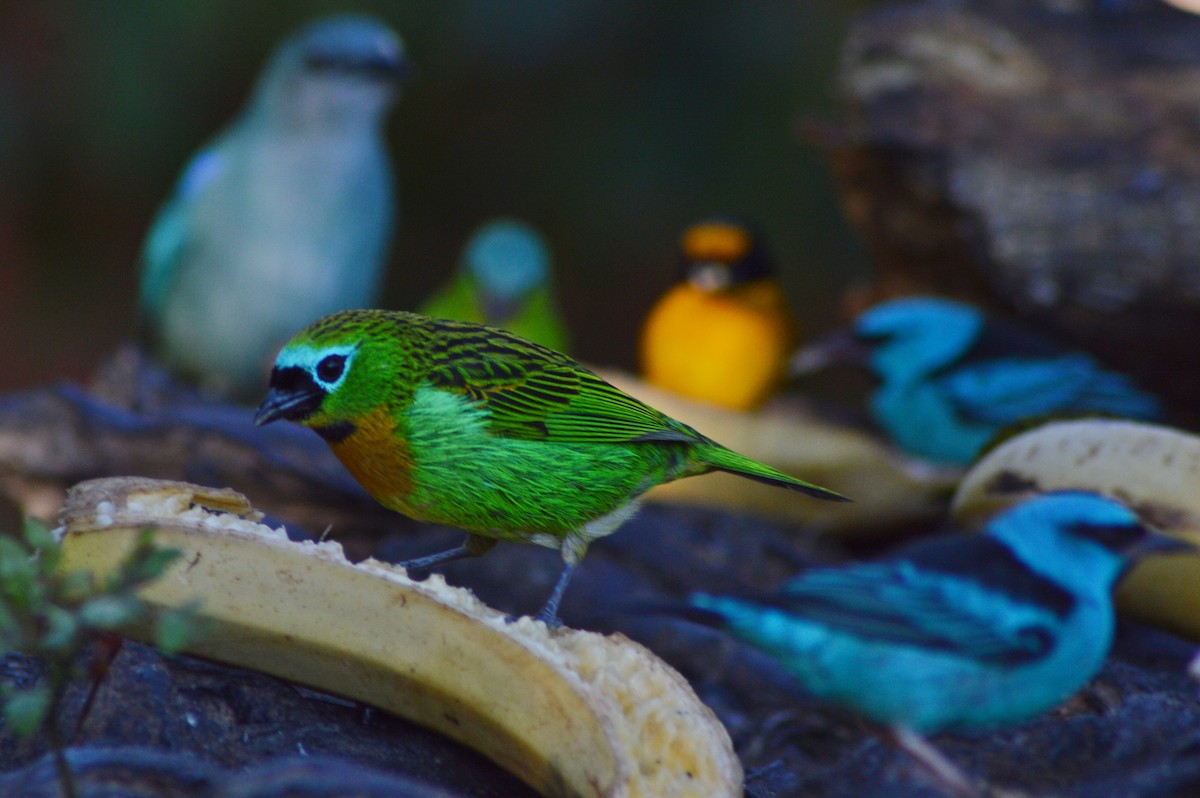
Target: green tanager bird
504,279
471,426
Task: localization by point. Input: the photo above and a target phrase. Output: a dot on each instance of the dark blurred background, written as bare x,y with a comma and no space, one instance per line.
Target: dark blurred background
608,124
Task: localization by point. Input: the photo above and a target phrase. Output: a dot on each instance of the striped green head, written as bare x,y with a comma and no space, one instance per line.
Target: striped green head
337,370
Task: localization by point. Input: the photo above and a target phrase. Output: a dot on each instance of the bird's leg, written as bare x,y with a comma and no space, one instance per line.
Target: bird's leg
758,773
573,549
473,546
944,773
549,613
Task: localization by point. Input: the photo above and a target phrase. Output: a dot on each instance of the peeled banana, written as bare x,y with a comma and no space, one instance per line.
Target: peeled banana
571,713
1153,469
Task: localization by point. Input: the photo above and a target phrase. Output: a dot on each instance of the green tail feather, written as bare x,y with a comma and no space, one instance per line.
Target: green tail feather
723,459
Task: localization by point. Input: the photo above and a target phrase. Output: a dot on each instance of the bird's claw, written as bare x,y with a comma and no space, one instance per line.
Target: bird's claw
415,572
552,621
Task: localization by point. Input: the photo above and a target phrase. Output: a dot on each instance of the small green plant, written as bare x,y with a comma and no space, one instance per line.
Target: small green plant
59,617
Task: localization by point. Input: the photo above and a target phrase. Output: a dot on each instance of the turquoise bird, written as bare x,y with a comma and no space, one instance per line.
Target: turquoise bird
472,426
289,211
957,632
504,280
951,378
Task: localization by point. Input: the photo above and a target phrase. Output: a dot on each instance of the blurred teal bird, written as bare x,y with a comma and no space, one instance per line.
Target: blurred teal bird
286,215
952,377
956,632
504,280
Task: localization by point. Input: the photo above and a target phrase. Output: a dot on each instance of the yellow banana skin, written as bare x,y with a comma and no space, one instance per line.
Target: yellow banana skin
1153,469
571,713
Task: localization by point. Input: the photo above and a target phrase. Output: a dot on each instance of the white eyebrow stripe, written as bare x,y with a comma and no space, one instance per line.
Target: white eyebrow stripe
306,357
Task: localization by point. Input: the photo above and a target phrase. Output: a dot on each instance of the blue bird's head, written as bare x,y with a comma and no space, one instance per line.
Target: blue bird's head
917,335
336,68
902,339
1081,540
507,259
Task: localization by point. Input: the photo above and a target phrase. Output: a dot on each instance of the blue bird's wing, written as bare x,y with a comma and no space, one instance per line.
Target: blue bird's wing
902,603
1007,391
169,234
1000,339
1011,373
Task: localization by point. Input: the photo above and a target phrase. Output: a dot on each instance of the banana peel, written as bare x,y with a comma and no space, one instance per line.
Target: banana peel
888,489
1153,469
571,713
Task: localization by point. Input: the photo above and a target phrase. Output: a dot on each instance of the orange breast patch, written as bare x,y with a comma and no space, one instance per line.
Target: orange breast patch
378,458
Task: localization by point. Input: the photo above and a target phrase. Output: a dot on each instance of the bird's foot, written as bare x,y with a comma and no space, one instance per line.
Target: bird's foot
473,546
551,621
420,567
758,773
549,616
414,570
950,778
549,613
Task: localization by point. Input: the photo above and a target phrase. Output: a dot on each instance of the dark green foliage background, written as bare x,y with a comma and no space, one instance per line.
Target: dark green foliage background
607,123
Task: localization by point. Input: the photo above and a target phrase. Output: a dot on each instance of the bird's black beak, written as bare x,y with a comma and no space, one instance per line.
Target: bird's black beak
497,310
1157,543
383,67
292,396
709,276
840,347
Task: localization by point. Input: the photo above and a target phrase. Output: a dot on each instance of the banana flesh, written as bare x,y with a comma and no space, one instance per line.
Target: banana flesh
1153,469
571,713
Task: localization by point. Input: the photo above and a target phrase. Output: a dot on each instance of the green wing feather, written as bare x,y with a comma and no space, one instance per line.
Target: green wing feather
535,393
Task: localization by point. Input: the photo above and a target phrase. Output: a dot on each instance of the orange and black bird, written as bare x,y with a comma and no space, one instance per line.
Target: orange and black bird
724,333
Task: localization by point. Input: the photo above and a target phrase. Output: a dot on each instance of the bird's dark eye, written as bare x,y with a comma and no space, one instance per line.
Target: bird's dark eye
372,65
872,338
331,367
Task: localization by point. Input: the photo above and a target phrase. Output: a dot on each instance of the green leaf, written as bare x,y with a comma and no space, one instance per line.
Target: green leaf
18,574
76,586
145,563
38,535
176,627
111,612
9,628
14,558
61,627
156,563
25,710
